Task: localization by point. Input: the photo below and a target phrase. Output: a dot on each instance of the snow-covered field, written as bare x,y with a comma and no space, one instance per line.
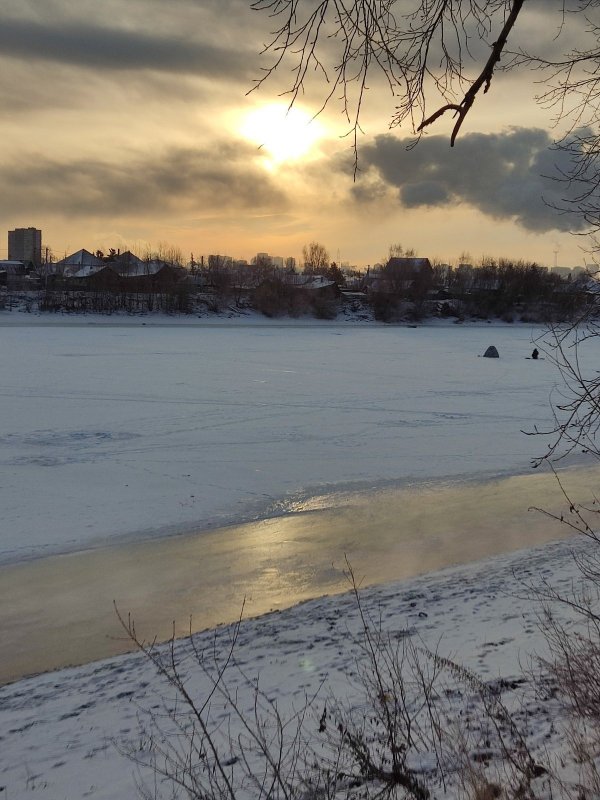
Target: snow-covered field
120,432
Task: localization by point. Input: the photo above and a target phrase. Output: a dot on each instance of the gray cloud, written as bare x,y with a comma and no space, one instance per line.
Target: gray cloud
506,175
425,193
370,189
107,48
176,180
39,87
550,28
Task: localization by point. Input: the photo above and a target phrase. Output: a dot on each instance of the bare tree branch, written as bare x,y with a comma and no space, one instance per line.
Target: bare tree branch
419,49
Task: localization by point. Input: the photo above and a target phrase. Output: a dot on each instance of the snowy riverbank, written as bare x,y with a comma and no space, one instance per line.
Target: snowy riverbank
60,731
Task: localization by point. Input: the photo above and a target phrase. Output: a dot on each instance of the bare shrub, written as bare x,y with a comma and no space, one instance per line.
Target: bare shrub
388,739
272,298
216,745
398,733
324,307
572,678
573,636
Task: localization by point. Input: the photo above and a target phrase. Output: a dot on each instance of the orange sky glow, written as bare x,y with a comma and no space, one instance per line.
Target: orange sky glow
126,124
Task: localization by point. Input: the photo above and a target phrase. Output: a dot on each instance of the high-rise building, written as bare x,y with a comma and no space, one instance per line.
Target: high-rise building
25,244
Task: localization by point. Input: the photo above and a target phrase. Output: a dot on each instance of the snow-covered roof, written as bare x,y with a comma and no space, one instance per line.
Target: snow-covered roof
83,265
318,282
126,261
309,281
87,271
141,268
82,258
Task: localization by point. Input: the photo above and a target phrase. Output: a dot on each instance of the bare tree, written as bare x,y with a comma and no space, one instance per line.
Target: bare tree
316,258
437,57
170,253
423,51
219,279
573,637
397,250
576,406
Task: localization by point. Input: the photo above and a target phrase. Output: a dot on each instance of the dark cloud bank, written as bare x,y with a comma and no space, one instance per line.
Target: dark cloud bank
507,175
104,48
188,179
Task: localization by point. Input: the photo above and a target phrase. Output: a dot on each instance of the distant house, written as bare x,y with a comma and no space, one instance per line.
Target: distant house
11,270
318,284
400,274
118,272
82,258
126,263
104,277
84,270
408,270
12,267
82,263
155,276
311,283
409,264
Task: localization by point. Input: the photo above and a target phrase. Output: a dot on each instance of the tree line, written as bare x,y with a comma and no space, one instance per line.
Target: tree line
405,287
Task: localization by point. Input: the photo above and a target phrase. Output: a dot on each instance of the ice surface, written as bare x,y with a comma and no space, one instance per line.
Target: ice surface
111,431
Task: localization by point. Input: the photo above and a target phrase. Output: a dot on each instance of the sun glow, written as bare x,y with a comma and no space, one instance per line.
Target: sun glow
286,134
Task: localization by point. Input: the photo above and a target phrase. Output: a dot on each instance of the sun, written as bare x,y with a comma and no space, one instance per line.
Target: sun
286,134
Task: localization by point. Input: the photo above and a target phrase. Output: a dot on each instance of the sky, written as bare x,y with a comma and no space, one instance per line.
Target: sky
128,123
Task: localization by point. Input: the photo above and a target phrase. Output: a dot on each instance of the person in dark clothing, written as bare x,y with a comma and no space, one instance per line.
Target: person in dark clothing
535,354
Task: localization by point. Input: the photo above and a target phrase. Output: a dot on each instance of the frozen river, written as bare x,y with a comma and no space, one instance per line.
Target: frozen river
111,432
116,437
